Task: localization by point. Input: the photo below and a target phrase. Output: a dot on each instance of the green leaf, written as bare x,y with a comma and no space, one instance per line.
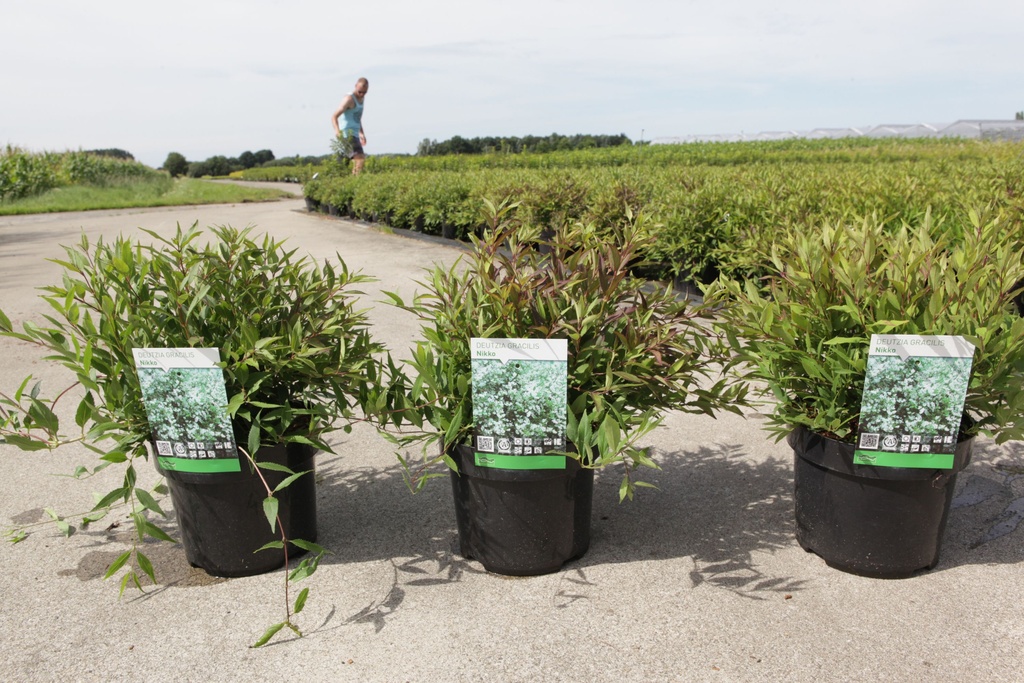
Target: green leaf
273,545
811,367
43,417
234,403
303,571
153,530
64,527
275,467
111,498
145,565
149,502
287,481
91,517
845,340
87,357
270,633
451,434
83,413
264,405
298,438
25,443
300,601
117,564
308,546
270,505
124,582
584,434
254,439
611,434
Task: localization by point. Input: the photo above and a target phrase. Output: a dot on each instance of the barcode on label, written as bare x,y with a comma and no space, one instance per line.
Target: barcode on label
869,440
485,443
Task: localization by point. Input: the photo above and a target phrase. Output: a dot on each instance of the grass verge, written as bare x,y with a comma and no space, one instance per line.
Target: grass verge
139,193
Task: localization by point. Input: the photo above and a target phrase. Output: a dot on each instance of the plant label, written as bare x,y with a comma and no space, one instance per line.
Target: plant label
520,391
914,392
186,404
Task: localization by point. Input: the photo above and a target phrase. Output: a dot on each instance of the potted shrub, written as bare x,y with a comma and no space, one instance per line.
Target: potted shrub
297,358
803,335
633,352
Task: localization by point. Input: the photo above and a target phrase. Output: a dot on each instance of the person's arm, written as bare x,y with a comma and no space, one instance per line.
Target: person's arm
362,134
346,104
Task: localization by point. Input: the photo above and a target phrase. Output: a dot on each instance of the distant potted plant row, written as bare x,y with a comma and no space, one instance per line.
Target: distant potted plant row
297,360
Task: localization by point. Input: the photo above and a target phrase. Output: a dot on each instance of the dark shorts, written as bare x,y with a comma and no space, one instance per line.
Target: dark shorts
349,145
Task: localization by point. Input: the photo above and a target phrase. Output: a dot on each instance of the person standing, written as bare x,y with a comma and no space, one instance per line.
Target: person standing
351,136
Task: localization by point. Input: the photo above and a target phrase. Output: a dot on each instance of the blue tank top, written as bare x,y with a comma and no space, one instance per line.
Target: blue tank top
353,117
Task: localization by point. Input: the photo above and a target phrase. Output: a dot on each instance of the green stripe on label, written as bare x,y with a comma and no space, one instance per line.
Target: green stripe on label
520,462
924,461
210,466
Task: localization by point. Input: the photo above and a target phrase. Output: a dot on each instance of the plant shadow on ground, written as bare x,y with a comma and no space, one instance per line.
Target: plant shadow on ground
712,505
986,519
724,511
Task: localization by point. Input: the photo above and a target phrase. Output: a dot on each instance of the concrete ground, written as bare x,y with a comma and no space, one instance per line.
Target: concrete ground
699,580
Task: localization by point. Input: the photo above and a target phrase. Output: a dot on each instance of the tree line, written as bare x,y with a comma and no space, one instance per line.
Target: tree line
113,152
218,165
177,165
516,145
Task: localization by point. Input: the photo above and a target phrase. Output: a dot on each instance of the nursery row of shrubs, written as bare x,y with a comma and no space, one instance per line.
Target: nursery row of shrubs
795,151
518,145
279,174
708,217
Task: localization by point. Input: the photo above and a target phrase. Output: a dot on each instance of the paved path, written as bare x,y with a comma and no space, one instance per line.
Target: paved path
700,580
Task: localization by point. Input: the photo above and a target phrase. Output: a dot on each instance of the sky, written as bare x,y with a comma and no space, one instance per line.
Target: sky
221,77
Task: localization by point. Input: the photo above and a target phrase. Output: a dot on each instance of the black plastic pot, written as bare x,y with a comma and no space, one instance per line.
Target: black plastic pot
221,520
312,204
522,522
885,522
